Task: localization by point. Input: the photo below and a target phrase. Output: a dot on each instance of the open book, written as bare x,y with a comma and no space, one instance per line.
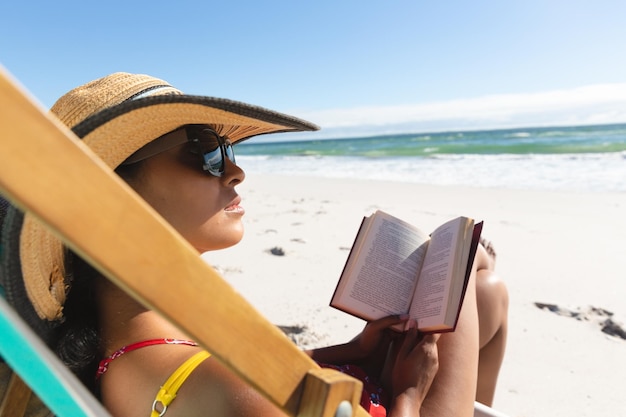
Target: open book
395,268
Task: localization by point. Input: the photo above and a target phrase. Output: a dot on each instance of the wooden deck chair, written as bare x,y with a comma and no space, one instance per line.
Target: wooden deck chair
36,151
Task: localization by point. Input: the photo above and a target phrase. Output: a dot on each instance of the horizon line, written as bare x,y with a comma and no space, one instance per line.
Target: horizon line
594,104
287,136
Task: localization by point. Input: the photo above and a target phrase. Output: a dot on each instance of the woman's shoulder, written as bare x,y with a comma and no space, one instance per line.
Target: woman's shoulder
133,379
223,393
131,384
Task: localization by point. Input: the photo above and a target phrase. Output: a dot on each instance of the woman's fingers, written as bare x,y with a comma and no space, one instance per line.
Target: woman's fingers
389,321
416,343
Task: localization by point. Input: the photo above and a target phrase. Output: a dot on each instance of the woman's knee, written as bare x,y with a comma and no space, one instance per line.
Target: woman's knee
485,259
492,298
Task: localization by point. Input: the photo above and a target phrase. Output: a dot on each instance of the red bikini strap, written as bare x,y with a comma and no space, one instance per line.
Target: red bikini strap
104,363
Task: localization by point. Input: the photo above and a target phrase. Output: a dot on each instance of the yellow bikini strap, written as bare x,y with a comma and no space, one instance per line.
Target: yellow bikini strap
168,391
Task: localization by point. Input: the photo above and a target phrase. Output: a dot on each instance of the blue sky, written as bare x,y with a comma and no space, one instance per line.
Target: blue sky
353,67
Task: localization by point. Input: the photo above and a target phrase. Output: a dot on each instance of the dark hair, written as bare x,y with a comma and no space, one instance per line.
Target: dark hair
78,340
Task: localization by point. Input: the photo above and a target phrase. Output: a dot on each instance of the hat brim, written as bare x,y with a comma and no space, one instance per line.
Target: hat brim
134,123
11,277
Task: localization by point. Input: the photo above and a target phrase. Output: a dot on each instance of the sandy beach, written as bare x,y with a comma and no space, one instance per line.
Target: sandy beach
564,250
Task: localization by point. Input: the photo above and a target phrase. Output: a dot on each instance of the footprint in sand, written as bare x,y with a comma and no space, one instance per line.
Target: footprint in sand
601,316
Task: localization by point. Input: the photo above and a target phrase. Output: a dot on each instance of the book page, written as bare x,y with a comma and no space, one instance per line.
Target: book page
467,251
430,302
381,280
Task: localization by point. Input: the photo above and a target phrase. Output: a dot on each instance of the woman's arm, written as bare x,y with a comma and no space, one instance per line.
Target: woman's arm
414,369
365,347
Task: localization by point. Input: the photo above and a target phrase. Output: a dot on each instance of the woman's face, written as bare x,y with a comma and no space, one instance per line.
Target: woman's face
202,208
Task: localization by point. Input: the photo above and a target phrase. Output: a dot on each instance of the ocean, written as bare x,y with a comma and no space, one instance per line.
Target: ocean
574,158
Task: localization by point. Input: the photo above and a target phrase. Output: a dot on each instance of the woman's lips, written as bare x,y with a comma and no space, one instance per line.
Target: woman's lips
234,206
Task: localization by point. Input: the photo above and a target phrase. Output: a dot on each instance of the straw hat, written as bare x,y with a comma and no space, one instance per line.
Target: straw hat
115,116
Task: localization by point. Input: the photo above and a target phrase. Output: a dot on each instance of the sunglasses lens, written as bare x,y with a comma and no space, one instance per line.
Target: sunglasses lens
213,162
230,153
221,148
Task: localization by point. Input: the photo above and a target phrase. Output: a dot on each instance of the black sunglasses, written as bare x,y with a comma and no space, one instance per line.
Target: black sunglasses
213,148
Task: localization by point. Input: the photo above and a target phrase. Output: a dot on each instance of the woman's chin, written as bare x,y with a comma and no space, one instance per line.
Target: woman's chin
220,244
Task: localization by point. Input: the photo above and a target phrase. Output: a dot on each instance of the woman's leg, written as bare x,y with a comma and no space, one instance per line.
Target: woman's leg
453,391
493,302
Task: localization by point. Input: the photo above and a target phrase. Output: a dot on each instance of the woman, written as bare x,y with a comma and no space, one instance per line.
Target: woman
175,151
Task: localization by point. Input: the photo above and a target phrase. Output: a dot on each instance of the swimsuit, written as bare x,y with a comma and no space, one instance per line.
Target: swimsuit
168,390
373,398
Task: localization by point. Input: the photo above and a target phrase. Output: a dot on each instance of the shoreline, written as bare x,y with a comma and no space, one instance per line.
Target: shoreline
563,249
588,173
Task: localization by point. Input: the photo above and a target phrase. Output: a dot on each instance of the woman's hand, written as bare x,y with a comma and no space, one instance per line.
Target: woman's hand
371,345
375,332
415,367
